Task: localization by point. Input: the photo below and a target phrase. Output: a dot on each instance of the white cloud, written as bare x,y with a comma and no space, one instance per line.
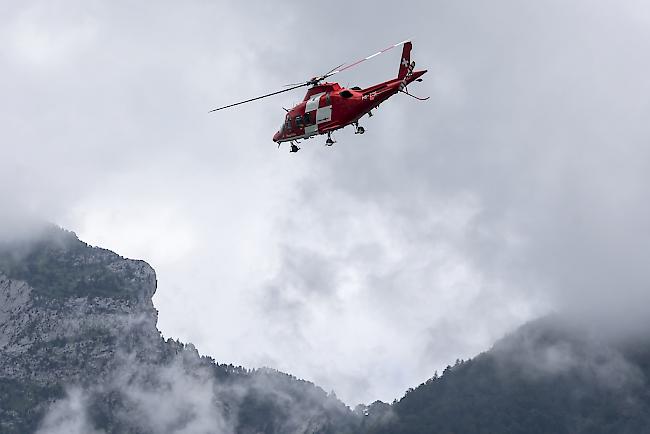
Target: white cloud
521,184
68,416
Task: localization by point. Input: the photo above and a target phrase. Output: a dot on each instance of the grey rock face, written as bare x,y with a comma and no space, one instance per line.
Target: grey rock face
14,303
41,329
55,338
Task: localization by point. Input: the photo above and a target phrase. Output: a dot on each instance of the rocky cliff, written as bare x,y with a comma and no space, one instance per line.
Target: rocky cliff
80,353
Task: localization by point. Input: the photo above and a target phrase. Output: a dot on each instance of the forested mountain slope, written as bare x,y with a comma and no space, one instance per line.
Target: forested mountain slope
547,377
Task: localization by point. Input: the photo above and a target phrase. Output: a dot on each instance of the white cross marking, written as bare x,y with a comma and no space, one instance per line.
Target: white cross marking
405,63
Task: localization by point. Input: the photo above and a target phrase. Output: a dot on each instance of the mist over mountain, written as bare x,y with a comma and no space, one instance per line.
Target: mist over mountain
80,353
550,376
520,187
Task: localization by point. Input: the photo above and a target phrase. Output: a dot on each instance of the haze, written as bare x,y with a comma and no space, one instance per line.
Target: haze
519,188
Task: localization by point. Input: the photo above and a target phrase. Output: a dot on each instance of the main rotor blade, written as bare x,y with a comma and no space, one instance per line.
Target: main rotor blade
327,74
351,65
316,79
293,84
259,97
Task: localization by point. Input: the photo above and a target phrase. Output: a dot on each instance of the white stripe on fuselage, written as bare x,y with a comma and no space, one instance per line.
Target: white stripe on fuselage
324,114
312,103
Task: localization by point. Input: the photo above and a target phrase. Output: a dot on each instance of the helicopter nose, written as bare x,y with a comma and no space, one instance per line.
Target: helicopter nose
276,136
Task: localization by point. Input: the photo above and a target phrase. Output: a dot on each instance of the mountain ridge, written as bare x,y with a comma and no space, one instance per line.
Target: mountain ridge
81,353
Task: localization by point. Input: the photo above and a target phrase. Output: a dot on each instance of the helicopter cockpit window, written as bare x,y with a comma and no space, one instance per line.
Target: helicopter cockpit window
307,119
298,121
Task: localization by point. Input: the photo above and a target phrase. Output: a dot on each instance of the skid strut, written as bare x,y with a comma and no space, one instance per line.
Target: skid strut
329,141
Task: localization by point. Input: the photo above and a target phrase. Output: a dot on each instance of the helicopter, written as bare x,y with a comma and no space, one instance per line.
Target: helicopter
328,106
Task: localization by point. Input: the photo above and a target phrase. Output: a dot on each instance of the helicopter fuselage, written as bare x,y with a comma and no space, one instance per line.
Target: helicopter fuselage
328,107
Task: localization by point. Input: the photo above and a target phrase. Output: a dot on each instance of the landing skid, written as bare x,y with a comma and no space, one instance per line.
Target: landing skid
293,147
329,141
358,129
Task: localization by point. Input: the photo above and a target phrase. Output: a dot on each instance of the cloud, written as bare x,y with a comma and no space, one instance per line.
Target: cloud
556,347
68,416
184,395
170,399
161,398
520,187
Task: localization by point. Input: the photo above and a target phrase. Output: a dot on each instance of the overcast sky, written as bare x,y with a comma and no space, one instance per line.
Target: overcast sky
520,187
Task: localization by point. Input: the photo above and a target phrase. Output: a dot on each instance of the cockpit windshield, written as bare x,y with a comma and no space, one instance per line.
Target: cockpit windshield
287,124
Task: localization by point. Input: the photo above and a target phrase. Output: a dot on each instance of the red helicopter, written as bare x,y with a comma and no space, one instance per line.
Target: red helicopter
328,106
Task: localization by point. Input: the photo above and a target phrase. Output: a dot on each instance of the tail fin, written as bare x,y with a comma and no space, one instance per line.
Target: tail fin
405,61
